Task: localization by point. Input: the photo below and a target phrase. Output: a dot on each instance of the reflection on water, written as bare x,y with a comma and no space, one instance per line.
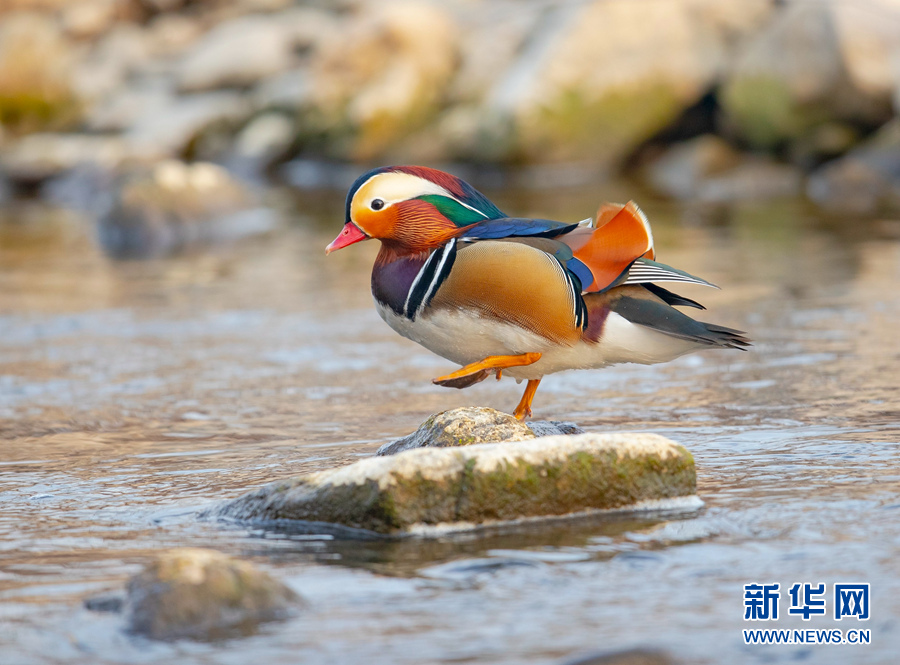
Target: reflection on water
133,394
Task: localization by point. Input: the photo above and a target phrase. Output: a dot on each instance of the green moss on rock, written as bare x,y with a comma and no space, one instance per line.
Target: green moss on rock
575,126
27,111
765,110
478,484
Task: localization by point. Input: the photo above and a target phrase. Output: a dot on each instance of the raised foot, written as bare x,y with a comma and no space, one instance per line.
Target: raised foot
472,374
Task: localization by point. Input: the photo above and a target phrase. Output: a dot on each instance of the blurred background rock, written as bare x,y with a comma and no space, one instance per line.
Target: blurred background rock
713,100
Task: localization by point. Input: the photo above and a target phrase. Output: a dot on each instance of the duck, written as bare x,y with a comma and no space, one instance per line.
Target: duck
519,297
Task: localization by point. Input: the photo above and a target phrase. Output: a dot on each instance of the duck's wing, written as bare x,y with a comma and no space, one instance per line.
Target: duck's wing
516,227
512,282
614,250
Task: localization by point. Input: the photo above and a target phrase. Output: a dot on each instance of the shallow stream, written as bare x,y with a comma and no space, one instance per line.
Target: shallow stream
134,394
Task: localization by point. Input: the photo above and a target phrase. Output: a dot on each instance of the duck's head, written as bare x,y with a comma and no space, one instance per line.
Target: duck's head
411,209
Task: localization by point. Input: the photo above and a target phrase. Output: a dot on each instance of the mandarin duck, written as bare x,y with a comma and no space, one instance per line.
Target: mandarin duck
522,297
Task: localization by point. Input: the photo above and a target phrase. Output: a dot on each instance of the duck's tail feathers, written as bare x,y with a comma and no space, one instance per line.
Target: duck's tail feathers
671,298
728,338
660,316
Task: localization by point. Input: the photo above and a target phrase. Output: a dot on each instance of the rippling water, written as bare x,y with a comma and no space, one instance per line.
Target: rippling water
133,394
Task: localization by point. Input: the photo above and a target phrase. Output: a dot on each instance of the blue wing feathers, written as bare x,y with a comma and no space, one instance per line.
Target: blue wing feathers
512,227
581,271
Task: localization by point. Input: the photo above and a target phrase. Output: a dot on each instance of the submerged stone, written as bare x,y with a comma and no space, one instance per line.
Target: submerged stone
474,424
204,594
435,489
105,602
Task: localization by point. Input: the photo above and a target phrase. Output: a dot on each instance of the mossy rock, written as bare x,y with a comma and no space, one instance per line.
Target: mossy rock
35,75
428,490
766,111
578,126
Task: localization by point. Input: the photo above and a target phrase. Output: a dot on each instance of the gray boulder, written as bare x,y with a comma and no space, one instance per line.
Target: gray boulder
707,169
866,180
204,594
237,53
166,125
381,76
591,86
264,138
805,69
433,490
469,425
178,207
35,158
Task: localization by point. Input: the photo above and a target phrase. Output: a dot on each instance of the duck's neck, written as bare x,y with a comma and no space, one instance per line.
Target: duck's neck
393,275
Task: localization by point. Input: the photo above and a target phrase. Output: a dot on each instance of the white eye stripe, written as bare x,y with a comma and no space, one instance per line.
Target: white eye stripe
395,187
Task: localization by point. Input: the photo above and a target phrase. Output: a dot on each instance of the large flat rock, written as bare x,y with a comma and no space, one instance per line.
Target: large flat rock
436,489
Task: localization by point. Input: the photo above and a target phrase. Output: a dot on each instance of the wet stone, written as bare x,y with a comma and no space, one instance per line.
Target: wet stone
204,594
468,425
428,491
107,602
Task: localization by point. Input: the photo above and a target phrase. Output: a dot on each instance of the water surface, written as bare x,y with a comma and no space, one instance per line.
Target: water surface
134,394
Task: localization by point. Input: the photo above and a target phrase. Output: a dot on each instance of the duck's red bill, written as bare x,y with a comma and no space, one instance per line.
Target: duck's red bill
349,235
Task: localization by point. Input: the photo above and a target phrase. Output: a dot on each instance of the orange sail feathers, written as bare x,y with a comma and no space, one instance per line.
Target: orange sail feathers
620,235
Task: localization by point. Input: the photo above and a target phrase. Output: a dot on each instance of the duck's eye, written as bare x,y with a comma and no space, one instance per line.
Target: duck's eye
377,204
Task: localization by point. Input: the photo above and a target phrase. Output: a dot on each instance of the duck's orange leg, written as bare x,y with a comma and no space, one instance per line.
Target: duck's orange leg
523,411
471,374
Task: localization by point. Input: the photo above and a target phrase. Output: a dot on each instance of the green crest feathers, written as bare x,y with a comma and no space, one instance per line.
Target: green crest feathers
453,210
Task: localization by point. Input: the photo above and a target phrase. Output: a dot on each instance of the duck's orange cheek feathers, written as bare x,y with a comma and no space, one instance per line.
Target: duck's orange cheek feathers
376,223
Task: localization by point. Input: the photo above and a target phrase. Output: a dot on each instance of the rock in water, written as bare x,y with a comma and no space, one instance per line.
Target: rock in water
576,96
481,484
707,169
552,427
180,207
866,180
803,70
204,594
476,424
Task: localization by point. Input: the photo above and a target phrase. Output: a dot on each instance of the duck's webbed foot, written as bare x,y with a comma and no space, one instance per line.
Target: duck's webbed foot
464,381
477,372
523,410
